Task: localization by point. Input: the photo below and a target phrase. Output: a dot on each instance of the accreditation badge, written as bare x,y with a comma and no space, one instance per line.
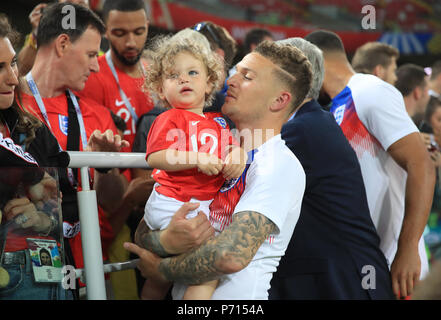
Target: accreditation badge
46,260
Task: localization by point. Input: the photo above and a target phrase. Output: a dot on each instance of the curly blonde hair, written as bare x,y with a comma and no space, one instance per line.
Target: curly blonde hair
165,49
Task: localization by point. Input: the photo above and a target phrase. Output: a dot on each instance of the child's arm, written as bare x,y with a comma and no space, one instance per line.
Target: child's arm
204,291
235,162
174,160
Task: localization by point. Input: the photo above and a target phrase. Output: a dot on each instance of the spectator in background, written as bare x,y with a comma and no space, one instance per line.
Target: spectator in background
412,82
64,60
377,58
334,237
221,41
118,85
435,80
27,54
432,138
254,37
20,131
397,172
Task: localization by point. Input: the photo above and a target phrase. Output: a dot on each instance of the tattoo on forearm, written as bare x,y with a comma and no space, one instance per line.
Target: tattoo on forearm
149,239
230,251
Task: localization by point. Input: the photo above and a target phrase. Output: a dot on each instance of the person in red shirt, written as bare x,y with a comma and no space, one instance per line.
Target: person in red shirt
65,58
192,152
119,83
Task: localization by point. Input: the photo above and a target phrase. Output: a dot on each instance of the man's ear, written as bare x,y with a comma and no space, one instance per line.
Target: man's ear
417,93
378,71
62,44
282,101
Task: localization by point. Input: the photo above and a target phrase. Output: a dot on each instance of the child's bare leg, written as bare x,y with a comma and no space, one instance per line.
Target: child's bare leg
154,290
203,291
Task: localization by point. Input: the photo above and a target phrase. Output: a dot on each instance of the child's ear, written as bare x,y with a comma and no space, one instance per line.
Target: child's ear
161,93
209,86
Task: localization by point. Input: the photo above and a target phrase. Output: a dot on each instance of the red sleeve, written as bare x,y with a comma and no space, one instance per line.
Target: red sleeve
165,133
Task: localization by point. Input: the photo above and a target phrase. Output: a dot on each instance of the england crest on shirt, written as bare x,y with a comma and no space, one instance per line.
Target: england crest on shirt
221,121
63,123
339,113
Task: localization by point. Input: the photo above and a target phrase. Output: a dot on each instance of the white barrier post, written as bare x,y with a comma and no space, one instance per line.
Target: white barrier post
90,239
88,212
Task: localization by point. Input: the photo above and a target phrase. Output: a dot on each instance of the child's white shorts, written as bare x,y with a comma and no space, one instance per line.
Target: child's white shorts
159,209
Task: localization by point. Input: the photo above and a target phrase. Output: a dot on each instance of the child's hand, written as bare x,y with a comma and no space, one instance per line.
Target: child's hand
209,164
235,163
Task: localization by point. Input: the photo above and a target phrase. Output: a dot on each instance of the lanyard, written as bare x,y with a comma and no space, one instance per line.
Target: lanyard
121,92
43,111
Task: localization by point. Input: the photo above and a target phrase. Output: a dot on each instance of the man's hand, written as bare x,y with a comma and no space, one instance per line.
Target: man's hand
43,191
25,214
183,234
138,191
148,262
209,164
405,271
35,16
106,142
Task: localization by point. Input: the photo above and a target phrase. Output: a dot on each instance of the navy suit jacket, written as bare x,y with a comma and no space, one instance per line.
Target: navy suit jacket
334,249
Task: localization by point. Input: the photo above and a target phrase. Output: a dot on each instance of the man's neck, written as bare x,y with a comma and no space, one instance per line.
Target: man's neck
410,106
132,70
48,77
253,136
338,73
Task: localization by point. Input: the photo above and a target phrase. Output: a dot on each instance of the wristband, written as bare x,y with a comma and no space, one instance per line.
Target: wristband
53,224
31,41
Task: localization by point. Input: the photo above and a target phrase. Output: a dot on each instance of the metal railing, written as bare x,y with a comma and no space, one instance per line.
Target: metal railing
88,212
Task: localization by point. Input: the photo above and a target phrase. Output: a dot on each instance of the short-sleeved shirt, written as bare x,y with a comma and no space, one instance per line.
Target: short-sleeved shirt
103,89
95,117
273,186
373,116
184,130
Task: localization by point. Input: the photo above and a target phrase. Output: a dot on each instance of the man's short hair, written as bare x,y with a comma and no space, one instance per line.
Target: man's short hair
121,5
409,76
218,37
372,54
51,23
315,57
436,70
255,36
327,41
295,69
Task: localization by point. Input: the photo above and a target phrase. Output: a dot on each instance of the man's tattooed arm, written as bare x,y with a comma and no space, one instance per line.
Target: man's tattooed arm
149,239
231,251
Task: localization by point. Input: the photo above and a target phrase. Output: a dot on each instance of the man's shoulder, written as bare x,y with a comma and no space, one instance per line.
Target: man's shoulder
367,87
275,157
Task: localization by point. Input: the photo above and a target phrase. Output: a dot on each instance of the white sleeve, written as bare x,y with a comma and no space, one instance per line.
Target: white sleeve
274,185
382,110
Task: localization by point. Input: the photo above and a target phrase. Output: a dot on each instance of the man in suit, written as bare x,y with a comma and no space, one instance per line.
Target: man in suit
334,252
